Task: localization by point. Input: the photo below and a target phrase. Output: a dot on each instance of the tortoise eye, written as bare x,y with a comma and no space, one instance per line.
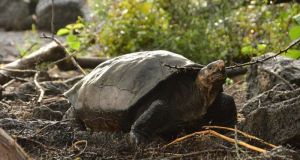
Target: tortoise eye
209,67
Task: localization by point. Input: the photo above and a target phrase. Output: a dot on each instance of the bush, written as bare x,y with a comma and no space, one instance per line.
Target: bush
201,30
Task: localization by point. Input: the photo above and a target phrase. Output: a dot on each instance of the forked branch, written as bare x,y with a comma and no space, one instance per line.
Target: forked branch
218,135
292,44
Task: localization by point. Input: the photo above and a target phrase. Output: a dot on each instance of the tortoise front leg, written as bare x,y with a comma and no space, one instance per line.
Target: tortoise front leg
151,122
223,111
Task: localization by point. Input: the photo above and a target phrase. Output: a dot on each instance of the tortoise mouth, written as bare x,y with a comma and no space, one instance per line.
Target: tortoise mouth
219,77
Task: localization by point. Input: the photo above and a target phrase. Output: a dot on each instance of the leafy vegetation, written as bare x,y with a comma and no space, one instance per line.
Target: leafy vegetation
201,30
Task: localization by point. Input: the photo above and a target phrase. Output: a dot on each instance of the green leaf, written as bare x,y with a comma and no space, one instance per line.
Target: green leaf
63,31
247,50
261,47
228,81
293,53
297,18
73,42
78,26
75,26
294,32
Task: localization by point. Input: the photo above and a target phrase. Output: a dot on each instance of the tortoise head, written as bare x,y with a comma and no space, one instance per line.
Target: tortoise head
212,76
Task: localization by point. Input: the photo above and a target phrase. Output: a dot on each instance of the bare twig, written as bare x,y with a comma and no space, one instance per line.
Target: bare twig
14,77
180,156
236,143
279,77
68,53
216,134
52,19
73,79
30,48
292,44
8,83
185,68
235,84
49,125
36,142
42,91
77,148
243,133
18,70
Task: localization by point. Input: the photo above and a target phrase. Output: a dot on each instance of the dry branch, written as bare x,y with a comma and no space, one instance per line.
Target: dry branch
292,44
242,133
21,67
9,149
66,51
37,84
216,134
85,62
52,53
75,146
180,156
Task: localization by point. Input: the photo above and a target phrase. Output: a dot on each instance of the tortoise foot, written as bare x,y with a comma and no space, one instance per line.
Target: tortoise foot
137,138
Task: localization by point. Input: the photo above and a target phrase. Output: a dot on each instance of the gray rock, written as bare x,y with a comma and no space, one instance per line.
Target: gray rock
262,76
66,12
28,89
278,153
274,116
15,14
44,112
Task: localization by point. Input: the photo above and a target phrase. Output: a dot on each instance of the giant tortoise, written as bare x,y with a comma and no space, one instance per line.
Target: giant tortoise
148,94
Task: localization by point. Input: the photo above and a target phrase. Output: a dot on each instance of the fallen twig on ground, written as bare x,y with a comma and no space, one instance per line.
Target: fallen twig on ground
49,125
26,66
19,70
8,83
75,146
8,78
35,142
179,156
216,134
236,143
37,84
243,133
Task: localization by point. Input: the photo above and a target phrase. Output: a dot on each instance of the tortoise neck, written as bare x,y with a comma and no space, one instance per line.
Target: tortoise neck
207,90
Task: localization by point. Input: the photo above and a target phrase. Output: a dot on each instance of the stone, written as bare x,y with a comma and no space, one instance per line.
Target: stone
278,153
274,116
15,14
264,76
44,112
66,12
28,89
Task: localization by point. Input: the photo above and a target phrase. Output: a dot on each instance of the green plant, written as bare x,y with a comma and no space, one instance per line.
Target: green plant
201,30
72,32
133,25
294,33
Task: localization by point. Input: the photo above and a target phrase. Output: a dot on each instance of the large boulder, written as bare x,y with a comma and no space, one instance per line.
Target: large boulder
263,76
66,12
15,14
274,116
